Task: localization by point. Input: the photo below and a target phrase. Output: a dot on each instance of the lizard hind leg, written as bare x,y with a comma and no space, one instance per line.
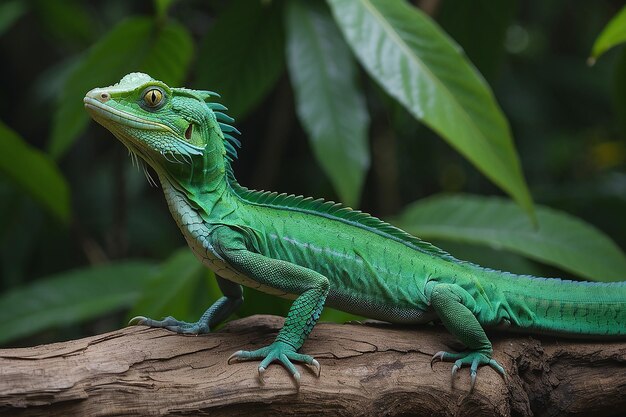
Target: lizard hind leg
454,306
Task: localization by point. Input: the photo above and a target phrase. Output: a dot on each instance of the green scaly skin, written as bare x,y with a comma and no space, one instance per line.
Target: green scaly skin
319,253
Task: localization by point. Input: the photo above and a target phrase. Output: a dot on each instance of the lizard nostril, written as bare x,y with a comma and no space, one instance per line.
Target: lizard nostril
104,97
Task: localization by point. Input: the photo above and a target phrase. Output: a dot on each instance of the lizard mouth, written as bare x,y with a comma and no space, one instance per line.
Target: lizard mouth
103,113
111,118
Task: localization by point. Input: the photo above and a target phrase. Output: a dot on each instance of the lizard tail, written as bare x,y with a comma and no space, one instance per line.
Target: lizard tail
555,306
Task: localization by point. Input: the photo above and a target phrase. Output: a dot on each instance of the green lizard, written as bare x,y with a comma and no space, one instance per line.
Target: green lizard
318,252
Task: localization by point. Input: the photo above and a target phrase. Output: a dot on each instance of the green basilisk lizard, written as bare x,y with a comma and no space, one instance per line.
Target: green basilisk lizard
321,253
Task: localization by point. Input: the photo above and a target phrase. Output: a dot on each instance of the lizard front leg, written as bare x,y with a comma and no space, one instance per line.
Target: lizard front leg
218,312
311,289
454,307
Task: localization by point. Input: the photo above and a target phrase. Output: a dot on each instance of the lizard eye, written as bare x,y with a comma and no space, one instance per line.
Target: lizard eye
153,97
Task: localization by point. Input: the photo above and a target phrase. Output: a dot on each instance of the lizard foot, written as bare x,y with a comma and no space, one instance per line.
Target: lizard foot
474,359
280,352
170,323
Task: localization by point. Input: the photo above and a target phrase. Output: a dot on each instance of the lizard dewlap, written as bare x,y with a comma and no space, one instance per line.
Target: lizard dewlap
321,253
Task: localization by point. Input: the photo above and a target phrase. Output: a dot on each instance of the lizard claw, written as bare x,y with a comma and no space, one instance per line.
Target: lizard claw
437,357
137,321
261,373
234,356
454,369
317,367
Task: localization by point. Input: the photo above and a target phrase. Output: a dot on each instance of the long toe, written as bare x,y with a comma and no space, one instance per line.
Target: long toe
248,355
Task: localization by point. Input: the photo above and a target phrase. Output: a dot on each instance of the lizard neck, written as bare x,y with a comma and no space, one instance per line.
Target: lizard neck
209,201
207,190
200,179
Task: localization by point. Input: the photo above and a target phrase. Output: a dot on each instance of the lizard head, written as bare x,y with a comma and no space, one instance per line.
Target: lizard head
177,131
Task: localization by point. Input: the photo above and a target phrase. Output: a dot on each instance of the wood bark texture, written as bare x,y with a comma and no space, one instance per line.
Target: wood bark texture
367,370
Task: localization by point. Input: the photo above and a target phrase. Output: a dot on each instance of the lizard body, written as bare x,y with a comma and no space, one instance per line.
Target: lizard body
321,253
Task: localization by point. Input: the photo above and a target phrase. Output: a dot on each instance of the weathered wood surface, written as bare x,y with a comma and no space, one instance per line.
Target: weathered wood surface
370,370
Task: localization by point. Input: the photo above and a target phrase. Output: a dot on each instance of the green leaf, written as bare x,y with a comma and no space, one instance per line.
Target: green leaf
613,34
422,68
136,44
329,103
10,12
71,297
560,240
34,173
242,55
162,6
170,292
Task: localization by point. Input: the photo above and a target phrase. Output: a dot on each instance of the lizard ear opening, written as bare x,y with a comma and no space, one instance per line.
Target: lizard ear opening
193,135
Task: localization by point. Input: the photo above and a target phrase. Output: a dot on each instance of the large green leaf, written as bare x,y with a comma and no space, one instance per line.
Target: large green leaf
613,34
329,103
420,66
34,173
136,44
71,297
560,240
170,293
242,55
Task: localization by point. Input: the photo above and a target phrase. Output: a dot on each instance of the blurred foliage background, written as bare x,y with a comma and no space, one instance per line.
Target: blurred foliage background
86,242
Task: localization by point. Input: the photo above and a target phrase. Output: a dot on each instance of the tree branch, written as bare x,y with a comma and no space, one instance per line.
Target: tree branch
374,369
